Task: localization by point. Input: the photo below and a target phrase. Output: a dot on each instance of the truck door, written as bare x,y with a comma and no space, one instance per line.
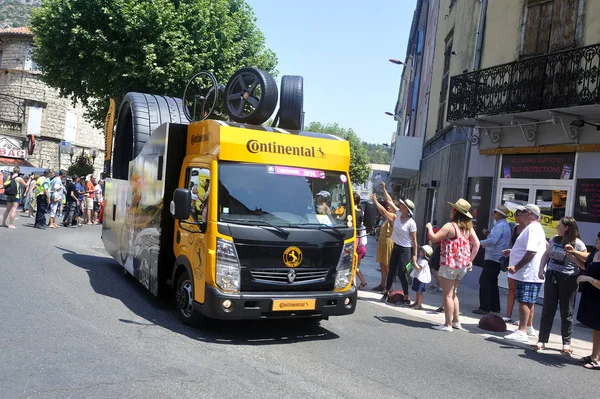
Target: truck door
192,242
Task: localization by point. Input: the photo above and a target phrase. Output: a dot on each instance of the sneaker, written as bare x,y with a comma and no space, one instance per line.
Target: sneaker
456,325
440,309
507,319
442,327
480,312
518,336
531,331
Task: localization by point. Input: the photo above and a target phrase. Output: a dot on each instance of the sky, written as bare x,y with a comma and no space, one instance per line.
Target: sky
341,48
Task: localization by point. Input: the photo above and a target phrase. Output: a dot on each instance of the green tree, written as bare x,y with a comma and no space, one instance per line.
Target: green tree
92,50
359,160
83,166
378,153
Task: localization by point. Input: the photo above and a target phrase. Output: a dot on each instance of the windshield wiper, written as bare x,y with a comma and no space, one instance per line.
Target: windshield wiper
323,225
258,223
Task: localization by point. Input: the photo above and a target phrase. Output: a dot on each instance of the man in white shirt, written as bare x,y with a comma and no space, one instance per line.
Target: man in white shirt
524,263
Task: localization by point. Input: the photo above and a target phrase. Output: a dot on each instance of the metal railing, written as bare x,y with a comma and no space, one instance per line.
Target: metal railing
556,80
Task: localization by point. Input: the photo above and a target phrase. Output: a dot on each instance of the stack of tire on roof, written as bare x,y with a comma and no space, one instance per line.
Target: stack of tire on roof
250,97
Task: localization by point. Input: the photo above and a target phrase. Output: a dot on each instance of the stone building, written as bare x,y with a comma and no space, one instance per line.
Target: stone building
29,108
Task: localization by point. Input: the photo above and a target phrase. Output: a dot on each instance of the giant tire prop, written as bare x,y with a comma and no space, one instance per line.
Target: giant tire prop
139,115
250,96
291,104
200,96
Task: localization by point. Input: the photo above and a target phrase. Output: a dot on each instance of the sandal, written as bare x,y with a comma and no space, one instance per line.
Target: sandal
540,346
592,366
585,359
567,352
378,288
362,285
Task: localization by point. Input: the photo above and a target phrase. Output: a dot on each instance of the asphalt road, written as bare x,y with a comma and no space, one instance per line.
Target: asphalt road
74,327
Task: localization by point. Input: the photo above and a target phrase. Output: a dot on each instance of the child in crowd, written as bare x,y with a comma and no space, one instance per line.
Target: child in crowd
421,275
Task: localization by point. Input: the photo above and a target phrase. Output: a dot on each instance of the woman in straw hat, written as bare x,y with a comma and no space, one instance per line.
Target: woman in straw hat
458,247
404,236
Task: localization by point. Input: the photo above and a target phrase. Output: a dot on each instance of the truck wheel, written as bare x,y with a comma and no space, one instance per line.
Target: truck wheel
292,102
184,300
139,115
250,96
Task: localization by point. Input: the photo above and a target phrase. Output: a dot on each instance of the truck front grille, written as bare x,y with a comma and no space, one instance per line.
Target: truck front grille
281,276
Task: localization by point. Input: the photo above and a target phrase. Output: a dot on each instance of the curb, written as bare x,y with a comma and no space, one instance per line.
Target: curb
470,325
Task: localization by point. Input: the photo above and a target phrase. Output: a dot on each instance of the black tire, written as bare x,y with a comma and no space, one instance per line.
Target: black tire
240,101
139,115
291,106
184,296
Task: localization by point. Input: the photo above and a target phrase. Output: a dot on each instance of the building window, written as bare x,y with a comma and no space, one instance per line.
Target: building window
34,121
71,126
445,82
30,64
549,25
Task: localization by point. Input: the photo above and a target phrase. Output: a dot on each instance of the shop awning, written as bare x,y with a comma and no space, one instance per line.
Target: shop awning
7,161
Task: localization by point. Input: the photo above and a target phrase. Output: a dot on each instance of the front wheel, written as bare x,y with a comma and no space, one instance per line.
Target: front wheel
184,301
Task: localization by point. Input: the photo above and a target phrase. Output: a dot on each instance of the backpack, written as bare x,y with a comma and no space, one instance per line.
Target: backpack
10,187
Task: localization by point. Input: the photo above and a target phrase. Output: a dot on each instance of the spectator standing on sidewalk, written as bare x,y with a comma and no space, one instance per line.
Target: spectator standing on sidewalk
31,195
512,290
589,310
497,240
421,275
80,187
71,203
89,199
42,197
404,236
361,239
458,247
97,200
561,282
525,257
385,244
12,191
56,195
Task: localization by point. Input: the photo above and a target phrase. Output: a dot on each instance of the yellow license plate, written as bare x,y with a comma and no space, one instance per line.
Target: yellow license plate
288,305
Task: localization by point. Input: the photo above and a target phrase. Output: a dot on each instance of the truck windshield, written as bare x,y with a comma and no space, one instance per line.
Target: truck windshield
283,195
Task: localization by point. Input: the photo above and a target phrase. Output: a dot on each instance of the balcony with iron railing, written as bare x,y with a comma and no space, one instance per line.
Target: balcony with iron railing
549,82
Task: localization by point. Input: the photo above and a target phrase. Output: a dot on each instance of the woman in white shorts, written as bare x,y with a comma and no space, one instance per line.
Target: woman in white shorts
458,247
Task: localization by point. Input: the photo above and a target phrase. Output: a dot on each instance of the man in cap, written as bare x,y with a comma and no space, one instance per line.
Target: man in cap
498,239
524,262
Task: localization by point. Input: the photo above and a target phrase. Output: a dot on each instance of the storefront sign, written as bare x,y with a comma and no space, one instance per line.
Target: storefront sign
9,148
587,200
538,166
479,195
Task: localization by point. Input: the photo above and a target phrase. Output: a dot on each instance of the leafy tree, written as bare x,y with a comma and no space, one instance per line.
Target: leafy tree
83,166
378,153
359,160
92,50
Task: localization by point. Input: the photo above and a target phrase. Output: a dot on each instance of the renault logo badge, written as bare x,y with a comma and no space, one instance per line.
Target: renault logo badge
291,276
292,257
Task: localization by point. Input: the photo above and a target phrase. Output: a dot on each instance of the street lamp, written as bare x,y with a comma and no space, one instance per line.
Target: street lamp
389,113
398,62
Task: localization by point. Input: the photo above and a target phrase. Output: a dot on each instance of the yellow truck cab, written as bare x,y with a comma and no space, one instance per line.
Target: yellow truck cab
240,221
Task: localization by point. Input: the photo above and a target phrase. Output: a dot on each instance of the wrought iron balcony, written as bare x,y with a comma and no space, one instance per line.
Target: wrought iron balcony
551,81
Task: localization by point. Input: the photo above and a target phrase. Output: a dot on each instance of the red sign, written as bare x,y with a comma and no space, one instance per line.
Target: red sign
12,153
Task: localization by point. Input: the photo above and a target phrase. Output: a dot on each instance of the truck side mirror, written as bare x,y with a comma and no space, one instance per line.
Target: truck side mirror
181,204
371,211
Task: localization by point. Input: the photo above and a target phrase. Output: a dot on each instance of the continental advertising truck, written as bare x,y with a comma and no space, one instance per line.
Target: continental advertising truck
240,221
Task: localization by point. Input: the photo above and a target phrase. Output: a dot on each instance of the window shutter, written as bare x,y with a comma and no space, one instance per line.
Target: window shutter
71,126
564,24
34,121
538,24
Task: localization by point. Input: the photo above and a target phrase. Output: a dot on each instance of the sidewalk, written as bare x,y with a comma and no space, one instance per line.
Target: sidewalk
468,294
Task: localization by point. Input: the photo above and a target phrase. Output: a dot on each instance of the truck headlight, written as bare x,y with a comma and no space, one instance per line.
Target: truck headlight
343,275
228,266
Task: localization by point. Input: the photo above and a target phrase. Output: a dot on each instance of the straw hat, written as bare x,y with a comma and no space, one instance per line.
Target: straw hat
501,209
408,204
463,206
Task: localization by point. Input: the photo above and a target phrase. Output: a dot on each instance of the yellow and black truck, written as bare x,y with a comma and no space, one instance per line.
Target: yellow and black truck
240,221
